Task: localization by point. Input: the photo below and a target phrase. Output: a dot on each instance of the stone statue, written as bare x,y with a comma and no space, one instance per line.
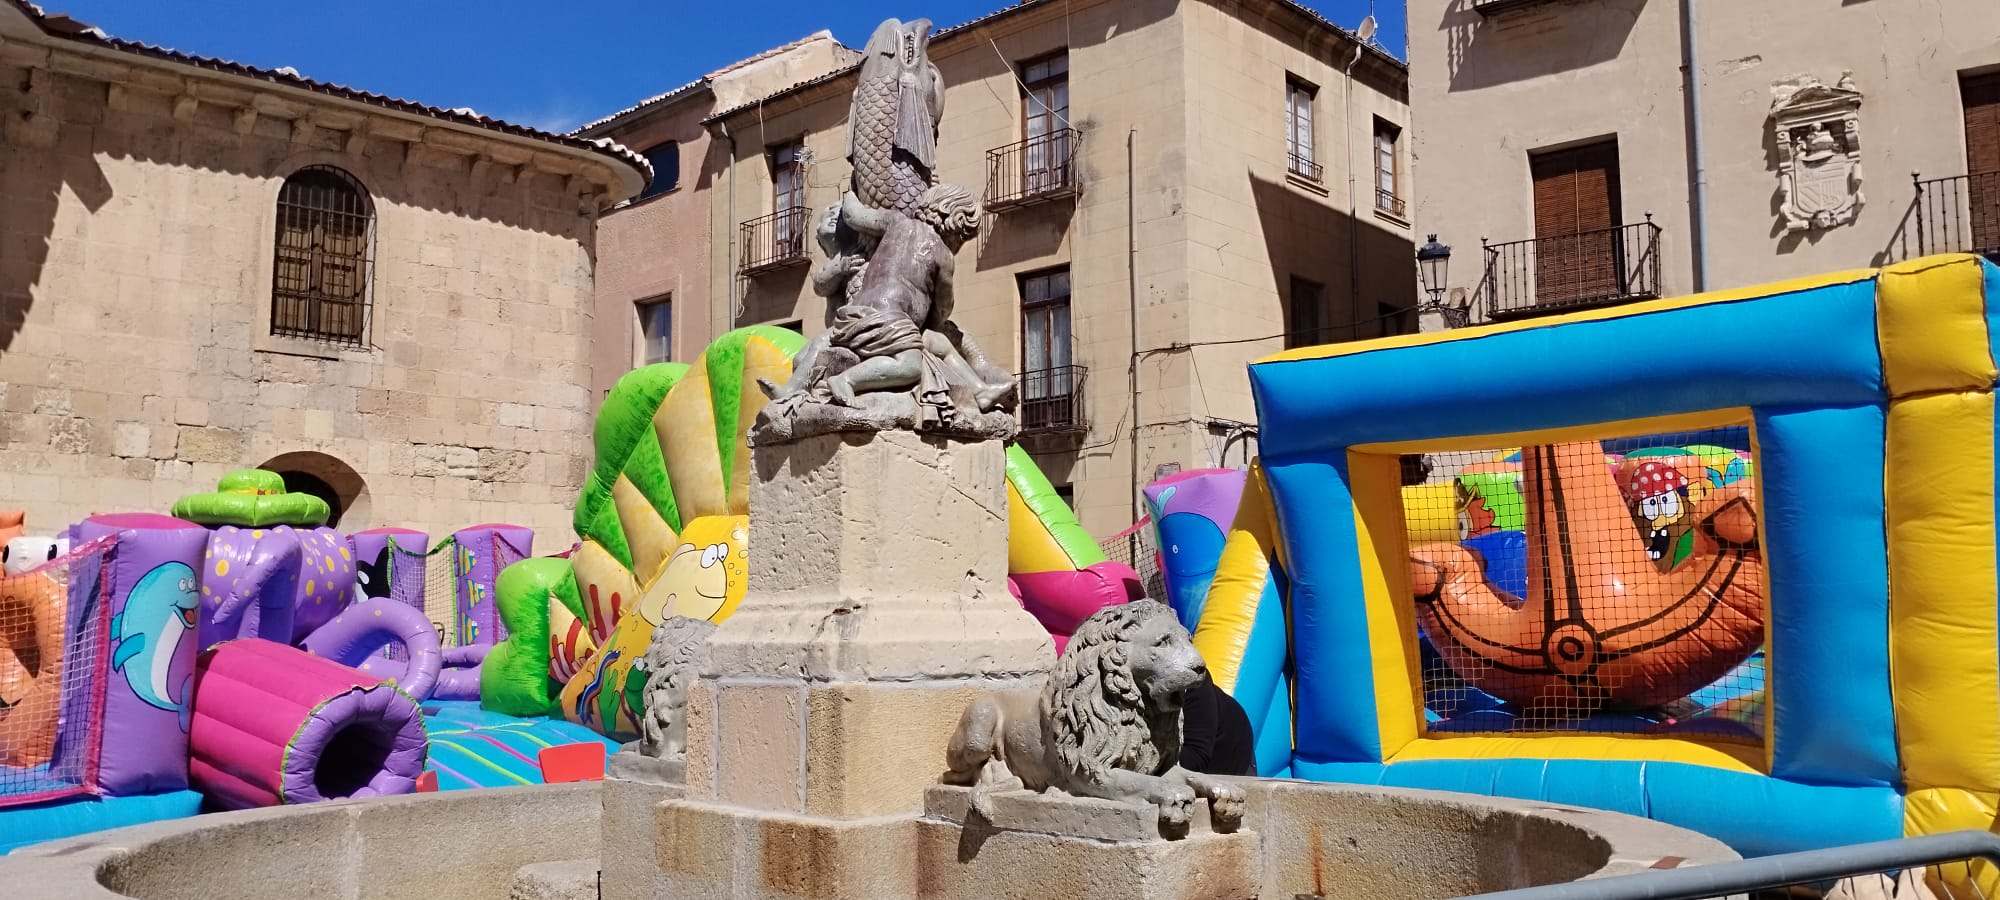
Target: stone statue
891,357
1106,725
672,662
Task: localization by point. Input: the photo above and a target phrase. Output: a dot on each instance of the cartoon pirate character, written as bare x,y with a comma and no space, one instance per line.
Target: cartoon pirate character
1662,503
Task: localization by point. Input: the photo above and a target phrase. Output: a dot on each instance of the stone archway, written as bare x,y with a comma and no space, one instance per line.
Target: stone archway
328,478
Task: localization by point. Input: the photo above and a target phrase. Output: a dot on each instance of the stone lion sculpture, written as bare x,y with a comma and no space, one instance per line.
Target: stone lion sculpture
1107,724
671,663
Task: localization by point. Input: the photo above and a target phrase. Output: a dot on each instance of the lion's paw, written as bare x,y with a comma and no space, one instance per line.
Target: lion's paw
1176,804
1225,810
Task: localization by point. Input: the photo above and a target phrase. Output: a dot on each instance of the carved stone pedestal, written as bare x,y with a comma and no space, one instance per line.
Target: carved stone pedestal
635,787
877,610
1038,846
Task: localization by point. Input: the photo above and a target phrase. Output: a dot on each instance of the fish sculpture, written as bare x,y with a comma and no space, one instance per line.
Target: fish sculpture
893,123
1600,625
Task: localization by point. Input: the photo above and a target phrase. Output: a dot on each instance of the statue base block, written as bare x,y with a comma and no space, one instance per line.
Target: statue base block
1040,846
877,610
634,789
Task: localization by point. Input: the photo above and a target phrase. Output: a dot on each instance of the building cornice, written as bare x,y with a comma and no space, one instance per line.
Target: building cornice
601,171
942,45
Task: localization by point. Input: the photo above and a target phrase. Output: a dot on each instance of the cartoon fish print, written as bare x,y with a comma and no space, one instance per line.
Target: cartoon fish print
588,698
159,614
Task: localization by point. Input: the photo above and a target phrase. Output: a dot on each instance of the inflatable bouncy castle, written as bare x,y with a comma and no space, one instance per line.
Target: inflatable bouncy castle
1749,592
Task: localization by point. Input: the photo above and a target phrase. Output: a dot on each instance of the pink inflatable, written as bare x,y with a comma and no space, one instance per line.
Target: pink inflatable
1062,600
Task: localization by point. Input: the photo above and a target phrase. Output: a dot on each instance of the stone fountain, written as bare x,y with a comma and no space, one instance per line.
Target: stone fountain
879,719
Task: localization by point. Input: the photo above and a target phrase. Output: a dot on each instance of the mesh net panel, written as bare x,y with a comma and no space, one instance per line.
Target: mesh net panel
441,591
1134,548
1602,586
53,622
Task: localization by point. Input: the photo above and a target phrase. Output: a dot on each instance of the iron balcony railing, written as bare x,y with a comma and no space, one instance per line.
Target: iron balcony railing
1937,866
1957,215
775,241
1305,168
1388,202
1052,400
1037,170
1539,276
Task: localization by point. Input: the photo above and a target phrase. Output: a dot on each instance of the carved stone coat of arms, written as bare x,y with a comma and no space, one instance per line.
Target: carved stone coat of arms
1818,134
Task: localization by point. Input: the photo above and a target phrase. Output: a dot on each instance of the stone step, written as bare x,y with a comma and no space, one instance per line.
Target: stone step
570,879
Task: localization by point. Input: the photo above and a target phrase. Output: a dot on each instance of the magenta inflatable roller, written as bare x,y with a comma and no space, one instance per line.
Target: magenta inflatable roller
275,725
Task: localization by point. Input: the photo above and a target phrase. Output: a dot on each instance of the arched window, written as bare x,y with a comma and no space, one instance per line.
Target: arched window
666,160
319,282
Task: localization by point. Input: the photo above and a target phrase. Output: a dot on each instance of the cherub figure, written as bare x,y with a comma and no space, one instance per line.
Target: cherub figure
894,333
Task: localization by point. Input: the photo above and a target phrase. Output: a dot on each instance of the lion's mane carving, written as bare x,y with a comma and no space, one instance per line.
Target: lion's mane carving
671,664
1110,724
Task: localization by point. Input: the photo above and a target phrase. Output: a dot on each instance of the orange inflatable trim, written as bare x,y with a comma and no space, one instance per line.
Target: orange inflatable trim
31,639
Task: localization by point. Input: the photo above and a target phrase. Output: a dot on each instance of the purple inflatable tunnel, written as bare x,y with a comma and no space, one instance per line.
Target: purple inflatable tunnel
356,636
276,725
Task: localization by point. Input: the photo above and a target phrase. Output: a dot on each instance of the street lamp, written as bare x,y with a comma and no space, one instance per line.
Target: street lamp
1432,260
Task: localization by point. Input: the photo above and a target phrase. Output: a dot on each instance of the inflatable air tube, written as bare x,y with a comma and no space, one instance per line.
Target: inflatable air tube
464,668
1242,633
1054,569
274,725
516,679
356,636
1191,512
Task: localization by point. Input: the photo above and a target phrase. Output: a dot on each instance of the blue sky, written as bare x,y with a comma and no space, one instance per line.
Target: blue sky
553,65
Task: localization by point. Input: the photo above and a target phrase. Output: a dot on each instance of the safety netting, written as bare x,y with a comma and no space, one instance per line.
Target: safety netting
54,626
1610,585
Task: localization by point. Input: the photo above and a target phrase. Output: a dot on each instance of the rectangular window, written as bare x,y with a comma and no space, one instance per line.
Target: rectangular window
656,332
1981,95
1388,170
1305,314
788,197
1299,129
1068,494
1047,379
1577,248
1045,120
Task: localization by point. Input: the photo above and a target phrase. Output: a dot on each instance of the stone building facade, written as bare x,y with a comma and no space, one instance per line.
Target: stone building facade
208,267
653,251
1764,140
1173,189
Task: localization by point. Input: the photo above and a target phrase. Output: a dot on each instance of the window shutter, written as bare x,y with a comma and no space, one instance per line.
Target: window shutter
1576,212
1982,159
1982,123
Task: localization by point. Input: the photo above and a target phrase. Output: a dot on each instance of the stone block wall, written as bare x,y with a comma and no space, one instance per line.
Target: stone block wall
136,360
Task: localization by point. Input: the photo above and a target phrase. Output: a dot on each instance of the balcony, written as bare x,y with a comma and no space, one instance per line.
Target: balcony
1957,215
1037,170
1542,276
1052,401
1301,167
775,241
1387,203
1496,7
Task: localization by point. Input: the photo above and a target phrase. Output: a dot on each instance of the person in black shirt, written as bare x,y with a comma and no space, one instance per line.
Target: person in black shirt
1215,733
